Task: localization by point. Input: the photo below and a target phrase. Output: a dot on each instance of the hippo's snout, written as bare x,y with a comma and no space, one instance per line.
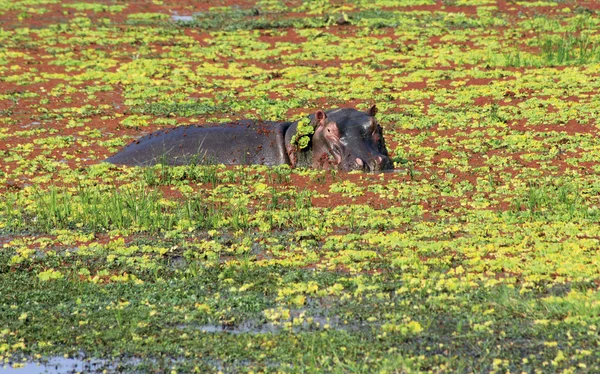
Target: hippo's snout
383,163
363,165
359,164
380,162
375,163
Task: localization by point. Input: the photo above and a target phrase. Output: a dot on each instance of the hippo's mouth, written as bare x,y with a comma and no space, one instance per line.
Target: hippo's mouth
376,163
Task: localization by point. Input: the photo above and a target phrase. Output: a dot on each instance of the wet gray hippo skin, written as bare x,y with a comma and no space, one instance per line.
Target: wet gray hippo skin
243,142
343,139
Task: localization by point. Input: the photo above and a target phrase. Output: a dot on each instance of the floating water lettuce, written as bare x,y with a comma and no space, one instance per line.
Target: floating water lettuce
303,133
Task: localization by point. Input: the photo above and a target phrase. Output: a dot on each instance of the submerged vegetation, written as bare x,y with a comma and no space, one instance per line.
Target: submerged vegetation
479,253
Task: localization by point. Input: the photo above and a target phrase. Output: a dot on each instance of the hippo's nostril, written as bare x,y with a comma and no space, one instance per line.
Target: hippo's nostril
381,163
362,164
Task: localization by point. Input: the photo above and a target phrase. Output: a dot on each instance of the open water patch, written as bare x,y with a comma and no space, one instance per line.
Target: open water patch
390,171
179,18
298,322
61,365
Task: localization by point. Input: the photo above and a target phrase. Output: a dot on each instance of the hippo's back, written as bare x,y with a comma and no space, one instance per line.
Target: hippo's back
243,142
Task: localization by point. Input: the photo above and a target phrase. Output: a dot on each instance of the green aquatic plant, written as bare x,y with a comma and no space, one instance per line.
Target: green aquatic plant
304,131
477,254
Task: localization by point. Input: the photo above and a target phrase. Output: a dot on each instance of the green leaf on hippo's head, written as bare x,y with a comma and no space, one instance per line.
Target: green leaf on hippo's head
303,133
304,127
303,142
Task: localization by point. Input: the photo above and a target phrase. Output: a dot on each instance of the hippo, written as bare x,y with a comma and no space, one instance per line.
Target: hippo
343,139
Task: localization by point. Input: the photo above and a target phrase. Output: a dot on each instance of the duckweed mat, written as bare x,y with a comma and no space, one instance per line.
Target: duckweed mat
479,253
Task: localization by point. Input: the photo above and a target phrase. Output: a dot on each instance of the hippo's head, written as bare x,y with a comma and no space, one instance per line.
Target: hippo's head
348,139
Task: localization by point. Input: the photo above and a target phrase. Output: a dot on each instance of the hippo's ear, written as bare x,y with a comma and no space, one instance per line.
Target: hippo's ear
329,129
320,119
372,110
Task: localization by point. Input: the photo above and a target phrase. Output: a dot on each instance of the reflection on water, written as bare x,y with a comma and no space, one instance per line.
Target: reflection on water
390,171
57,365
296,324
177,17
